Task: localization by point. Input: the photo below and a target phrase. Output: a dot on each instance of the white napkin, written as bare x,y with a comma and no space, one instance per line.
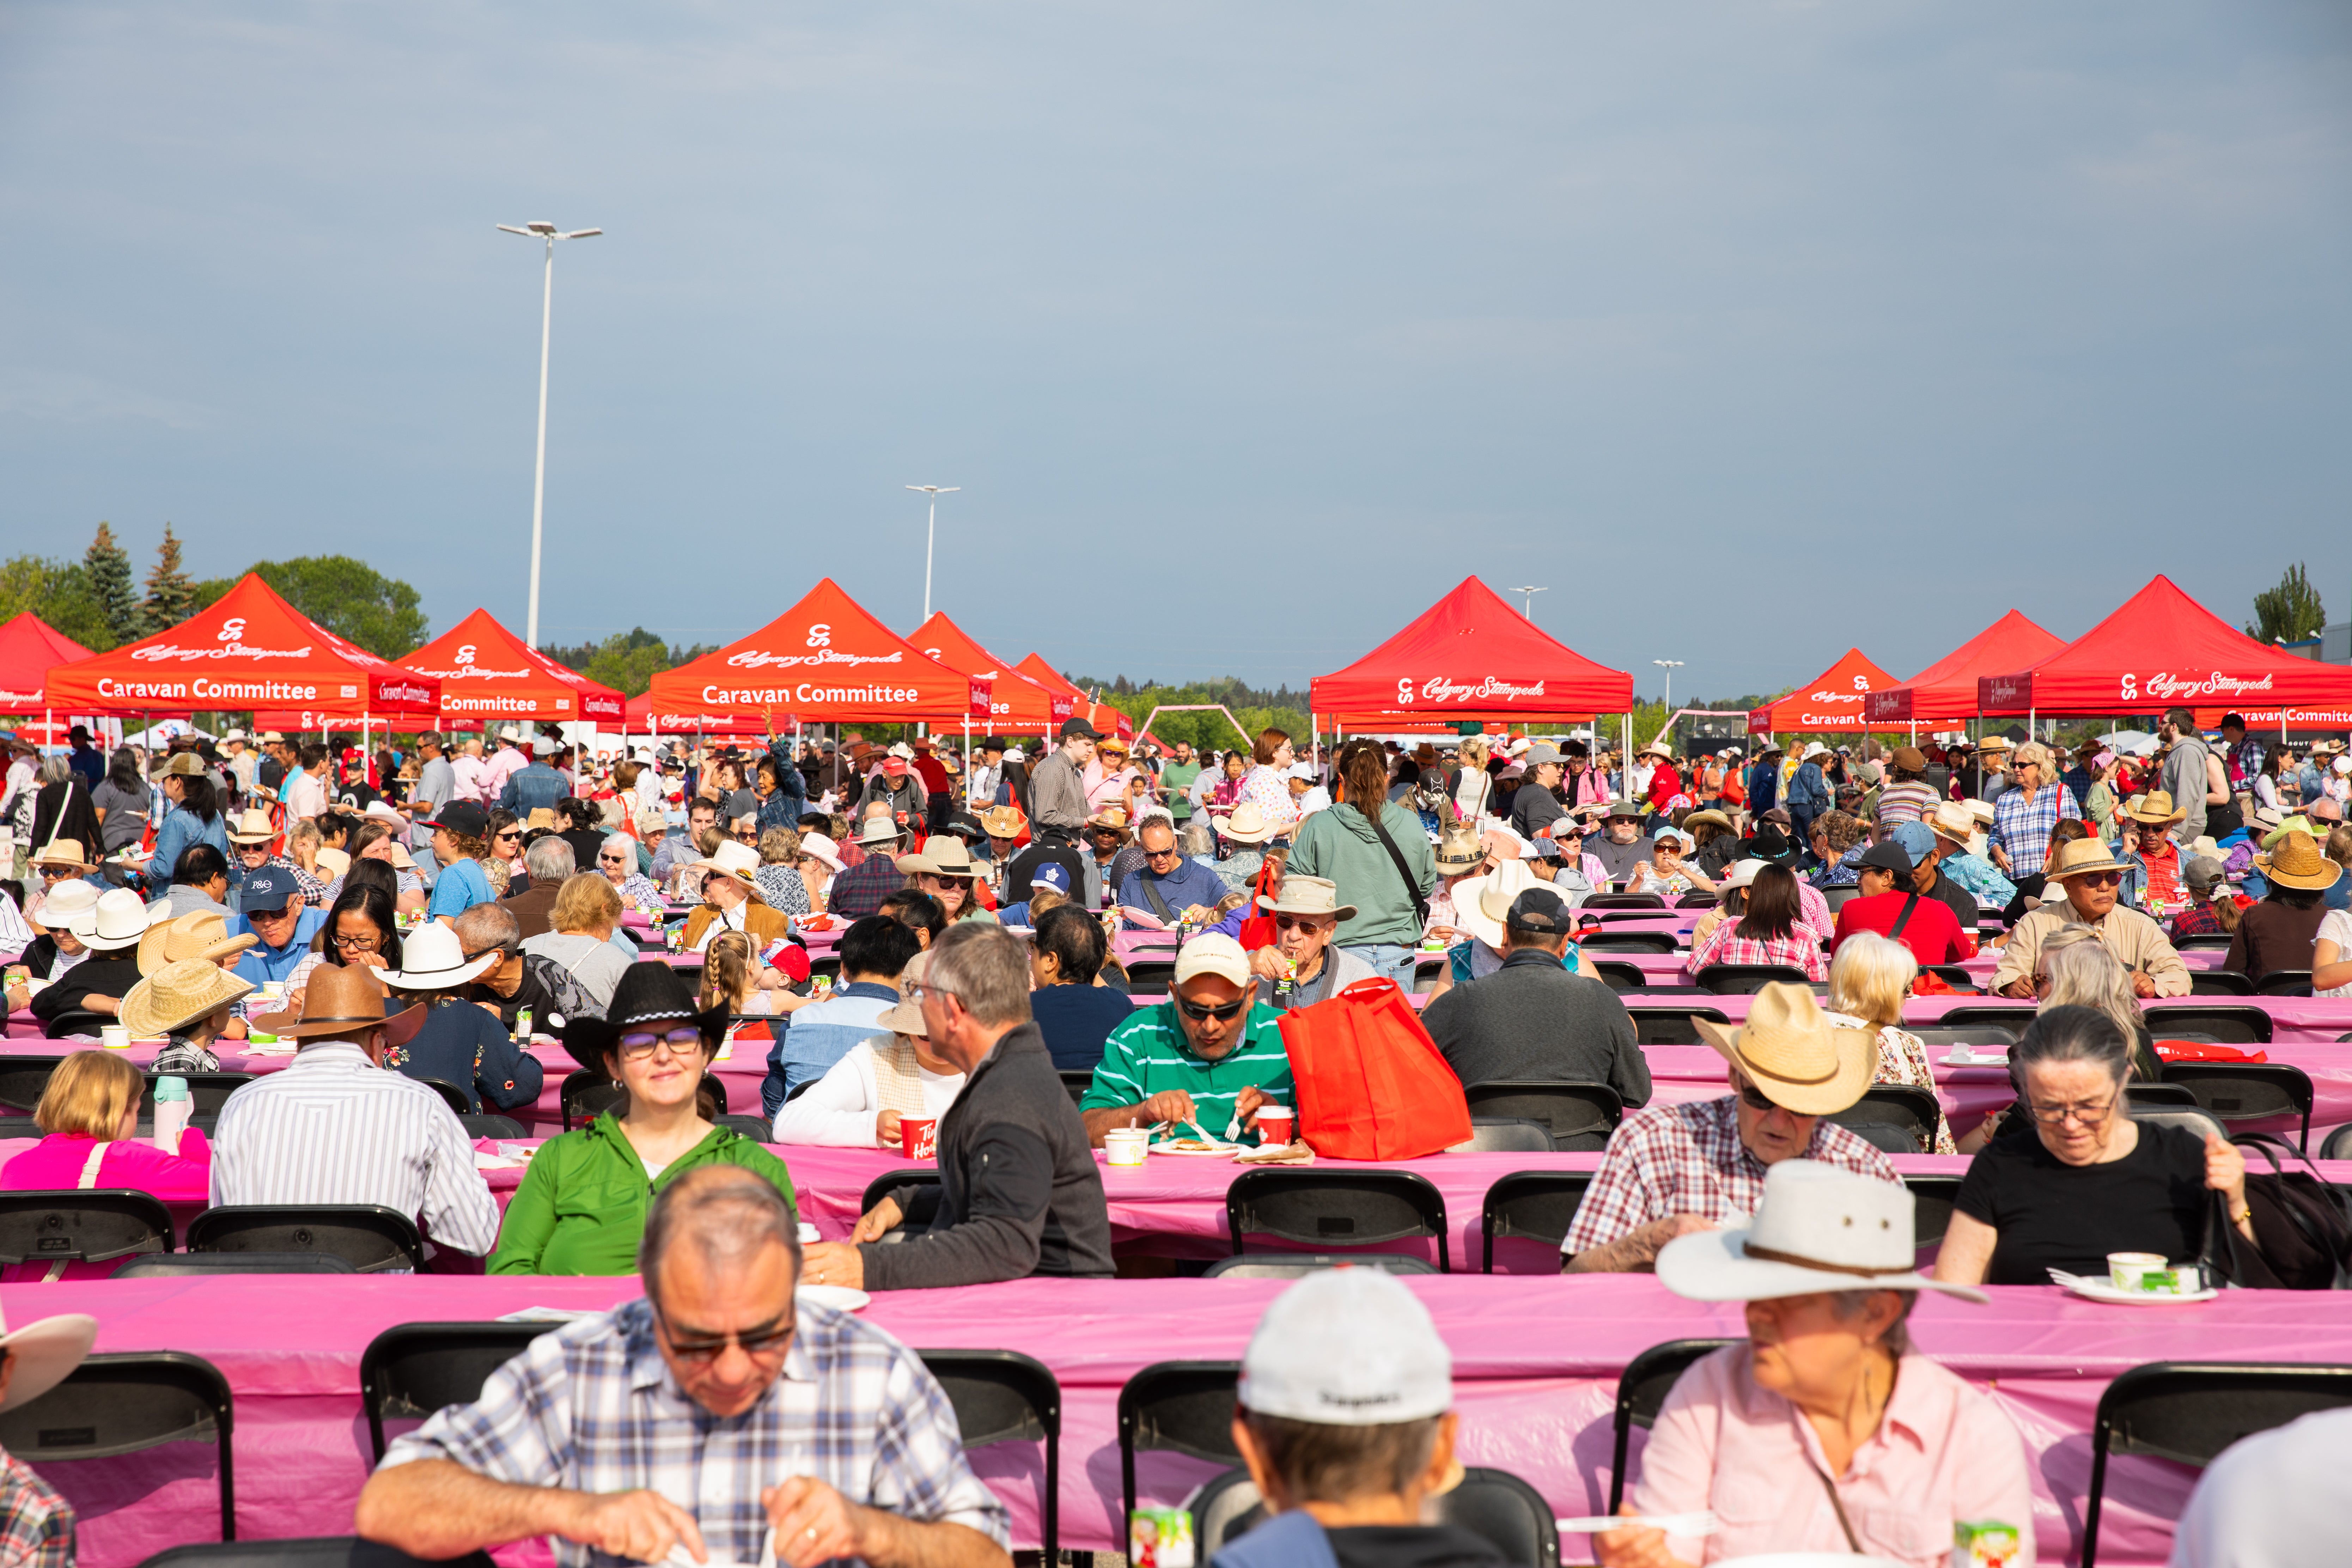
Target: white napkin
1684,1524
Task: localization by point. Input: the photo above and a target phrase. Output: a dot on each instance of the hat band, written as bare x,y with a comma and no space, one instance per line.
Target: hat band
343,1018
1772,1254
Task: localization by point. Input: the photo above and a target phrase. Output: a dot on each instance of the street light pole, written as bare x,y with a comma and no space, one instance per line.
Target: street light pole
930,532
1528,601
1669,665
542,229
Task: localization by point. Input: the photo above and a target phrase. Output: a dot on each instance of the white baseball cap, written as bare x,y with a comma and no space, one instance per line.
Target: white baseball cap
1348,1347
1214,954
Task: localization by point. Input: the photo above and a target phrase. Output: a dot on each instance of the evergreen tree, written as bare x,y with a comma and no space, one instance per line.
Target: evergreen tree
2290,612
171,596
109,566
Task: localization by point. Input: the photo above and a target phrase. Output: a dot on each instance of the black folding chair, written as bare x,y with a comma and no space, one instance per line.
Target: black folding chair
2285,983
2247,1091
1078,1080
2245,1025
1931,1207
75,1227
1627,941
1152,974
2188,1412
1698,901
1991,1034
22,1079
1533,1205
1642,1390
2209,941
743,1124
2338,1145
179,1265
414,1369
1003,1396
453,1097
587,1095
374,1239
1671,1023
309,1552
1581,1116
1619,975
1838,898
2219,983
489,1124
1295,1264
881,1186
207,1091
2139,1096
1322,1207
1182,1406
2197,1120
1623,901
1746,979
124,1403
2011,1019
1495,1505
1899,1117
1953,976
1506,1135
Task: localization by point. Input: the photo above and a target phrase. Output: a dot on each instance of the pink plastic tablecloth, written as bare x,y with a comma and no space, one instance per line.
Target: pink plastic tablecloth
1536,1365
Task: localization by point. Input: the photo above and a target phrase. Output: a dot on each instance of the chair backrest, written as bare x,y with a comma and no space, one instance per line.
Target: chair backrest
489,1124
175,1264
1185,1406
1642,1390
1982,1015
1746,979
414,1369
1077,1080
1322,1207
1904,1109
2209,941
373,1238
2155,1095
1931,1207
1293,1265
1698,901
1535,1205
1974,1034
2188,1412
90,1227
1580,1115
2247,1091
1504,1511
1003,1396
1151,973
127,1402
880,1187
207,1091
2285,983
1506,1135
1623,901
22,1080
2338,1145
587,1095
758,1128
1838,898
451,1095
2219,983
2243,1025
1627,941
1670,1023
799,1088
1618,974
2200,1121
310,1552
1951,975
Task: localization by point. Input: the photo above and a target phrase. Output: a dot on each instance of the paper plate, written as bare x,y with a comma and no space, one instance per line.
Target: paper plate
2092,1290
1207,1152
840,1297
1961,1057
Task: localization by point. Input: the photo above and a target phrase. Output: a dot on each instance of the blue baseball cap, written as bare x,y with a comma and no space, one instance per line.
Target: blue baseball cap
1919,840
1050,874
269,888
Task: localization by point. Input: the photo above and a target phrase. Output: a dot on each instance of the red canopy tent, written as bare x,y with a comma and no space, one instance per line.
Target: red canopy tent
2163,650
1017,705
1947,690
638,714
1109,720
485,672
29,648
824,659
1469,656
250,652
1830,702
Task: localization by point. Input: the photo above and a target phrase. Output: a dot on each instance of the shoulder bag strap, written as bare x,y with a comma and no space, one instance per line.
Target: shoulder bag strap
1910,904
1151,891
89,1179
1844,1523
1419,904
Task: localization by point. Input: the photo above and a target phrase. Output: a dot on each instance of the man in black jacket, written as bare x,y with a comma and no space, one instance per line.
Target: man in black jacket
1019,1193
1532,1021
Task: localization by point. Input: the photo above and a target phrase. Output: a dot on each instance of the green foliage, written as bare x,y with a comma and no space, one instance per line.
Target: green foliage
60,593
349,598
2291,612
107,567
626,661
171,596
1281,708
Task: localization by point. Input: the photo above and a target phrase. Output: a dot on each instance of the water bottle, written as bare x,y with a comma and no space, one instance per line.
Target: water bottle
172,1108
522,1026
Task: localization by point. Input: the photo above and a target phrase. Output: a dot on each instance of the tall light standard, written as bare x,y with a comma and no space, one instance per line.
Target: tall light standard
542,229
1528,601
930,532
1669,665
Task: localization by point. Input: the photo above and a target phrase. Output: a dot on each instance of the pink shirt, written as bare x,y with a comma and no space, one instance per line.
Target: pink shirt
56,1163
1942,1453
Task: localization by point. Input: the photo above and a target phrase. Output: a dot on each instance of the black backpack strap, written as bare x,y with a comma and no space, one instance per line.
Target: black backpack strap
1419,903
1910,904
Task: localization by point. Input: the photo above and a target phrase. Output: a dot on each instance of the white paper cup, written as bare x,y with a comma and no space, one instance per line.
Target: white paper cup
1125,1146
2126,1270
114,1036
1274,1124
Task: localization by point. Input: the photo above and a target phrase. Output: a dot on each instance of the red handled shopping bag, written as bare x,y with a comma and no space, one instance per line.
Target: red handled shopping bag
1372,1084
1257,926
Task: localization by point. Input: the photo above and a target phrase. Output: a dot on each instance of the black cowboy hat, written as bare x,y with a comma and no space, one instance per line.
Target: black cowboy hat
1768,843
647,993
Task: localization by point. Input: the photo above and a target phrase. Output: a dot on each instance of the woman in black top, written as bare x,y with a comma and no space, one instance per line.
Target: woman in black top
2084,1180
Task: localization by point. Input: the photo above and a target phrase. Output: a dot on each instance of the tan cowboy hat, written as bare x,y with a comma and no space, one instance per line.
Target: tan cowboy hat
1793,1055
1003,822
540,816
2154,806
2297,863
433,959
177,995
203,935
943,856
2080,857
1952,821
1309,896
61,852
1247,825
1109,820
880,829
334,863
252,827
1458,849
1654,748
1993,744
739,861
341,999
46,1350
1710,818
905,1016
183,764
1480,903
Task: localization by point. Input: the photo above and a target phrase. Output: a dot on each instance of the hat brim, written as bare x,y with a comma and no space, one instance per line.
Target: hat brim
97,943
1714,1265
151,948
824,858
1274,906
2110,864
398,1029
2313,882
748,878
1469,916
1857,1063
590,1040
143,1018
47,1352
1226,829
466,972
903,1017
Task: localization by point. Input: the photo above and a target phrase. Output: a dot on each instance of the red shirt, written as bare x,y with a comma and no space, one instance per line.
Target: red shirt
1933,932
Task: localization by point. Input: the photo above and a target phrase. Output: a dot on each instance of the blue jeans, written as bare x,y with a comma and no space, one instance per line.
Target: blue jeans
1389,960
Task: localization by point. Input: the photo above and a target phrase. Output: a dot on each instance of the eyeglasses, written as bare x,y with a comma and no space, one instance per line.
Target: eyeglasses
2099,879
2088,1115
765,1339
358,943
681,1042
1302,922
1200,1014
921,994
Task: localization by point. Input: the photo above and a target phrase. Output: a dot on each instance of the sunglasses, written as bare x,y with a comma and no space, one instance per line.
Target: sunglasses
681,1042
509,833
1168,854
764,1340
2100,878
1200,1014
1302,922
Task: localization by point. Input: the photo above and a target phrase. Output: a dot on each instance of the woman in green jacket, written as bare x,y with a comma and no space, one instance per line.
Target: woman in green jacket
582,1206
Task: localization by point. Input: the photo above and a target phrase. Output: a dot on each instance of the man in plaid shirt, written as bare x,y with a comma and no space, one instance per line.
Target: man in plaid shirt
1674,1169
2024,816
700,1418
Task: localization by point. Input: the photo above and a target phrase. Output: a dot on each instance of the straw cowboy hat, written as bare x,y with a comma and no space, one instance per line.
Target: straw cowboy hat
203,935
345,1000
1953,822
252,827
117,921
177,995
2154,806
905,1016
433,959
1817,1229
739,861
2297,863
334,863
183,764
540,816
1481,903
824,849
1707,818
1792,1054
1655,749
1109,820
1247,825
46,1350
1309,896
2080,857
61,852
1458,849
1003,822
1993,744
941,856
877,829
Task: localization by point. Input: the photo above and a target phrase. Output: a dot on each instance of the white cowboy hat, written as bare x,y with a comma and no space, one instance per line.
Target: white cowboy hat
879,828
1817,1229
1247,825
1480,903
824,849
252,827
433,959
905,1016
739,861
47,1352
117,921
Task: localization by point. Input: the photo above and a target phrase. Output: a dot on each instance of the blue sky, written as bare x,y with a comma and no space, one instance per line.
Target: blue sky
1751,330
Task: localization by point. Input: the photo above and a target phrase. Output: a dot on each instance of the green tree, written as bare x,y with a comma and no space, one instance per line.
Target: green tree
107,565
628,661
171,596
58,592
2291,612
348,598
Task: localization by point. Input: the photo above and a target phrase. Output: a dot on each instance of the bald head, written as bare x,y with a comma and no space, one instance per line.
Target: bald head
726,1213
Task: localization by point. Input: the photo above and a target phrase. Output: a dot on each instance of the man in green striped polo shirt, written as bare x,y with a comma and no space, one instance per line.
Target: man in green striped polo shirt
1210,1054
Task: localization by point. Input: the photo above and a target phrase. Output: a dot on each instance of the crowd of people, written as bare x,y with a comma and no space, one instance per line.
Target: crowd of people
415,925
